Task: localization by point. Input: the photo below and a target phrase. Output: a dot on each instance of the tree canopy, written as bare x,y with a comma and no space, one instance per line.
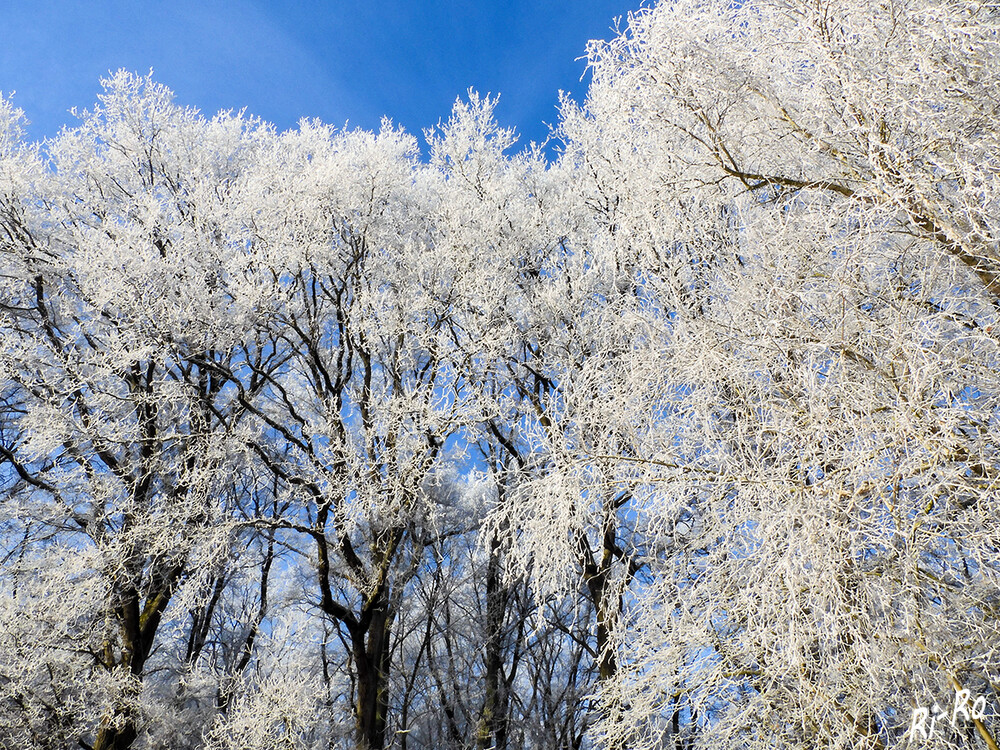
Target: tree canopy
684,438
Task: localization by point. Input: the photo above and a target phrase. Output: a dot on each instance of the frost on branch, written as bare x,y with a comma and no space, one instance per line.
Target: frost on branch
686,438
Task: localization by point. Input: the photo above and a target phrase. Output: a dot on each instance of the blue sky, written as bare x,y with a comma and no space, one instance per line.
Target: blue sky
341,60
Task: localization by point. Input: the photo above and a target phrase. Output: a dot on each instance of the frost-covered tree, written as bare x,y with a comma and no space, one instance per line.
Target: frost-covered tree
127,278
372,386
817,228
686,438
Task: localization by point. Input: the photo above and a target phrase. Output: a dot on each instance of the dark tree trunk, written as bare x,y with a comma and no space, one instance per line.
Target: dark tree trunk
491,732
139,621
371,649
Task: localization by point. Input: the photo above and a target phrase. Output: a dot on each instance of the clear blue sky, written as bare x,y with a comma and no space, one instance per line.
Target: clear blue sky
340,60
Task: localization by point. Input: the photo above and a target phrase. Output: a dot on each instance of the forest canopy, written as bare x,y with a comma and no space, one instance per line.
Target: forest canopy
686,437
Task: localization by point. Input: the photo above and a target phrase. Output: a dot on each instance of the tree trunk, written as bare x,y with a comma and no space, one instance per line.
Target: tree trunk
371,648
607,610
607,607
138,624
491,732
